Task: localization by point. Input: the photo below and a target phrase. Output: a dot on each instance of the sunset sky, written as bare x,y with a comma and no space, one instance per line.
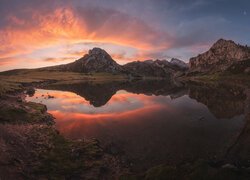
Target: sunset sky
36,33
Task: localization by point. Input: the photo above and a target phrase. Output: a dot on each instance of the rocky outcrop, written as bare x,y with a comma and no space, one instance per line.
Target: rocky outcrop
239,67
219,57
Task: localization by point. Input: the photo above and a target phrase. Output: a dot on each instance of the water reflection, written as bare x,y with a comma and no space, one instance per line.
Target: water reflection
149,122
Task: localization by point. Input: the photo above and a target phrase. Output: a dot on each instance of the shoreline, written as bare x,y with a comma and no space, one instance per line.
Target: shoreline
80,158
50,154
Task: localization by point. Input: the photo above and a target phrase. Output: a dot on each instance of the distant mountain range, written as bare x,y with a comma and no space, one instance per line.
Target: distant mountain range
223,56
98,60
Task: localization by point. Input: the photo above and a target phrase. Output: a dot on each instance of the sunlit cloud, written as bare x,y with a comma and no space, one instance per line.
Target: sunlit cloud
128,30
23,34
51,59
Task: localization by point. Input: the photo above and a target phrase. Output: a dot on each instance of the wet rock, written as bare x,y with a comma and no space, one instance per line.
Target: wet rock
247,70
201,118
229,166
50,97
113,149
19,100
30,91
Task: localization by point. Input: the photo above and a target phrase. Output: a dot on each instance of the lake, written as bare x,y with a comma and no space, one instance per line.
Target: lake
148,123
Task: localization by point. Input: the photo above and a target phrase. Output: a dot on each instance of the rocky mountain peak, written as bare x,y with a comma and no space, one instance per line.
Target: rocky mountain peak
225,45
179,63
219,57
223,42
97,60
97,52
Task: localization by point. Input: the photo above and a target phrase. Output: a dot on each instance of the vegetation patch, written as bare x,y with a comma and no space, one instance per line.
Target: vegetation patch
25,112
68,159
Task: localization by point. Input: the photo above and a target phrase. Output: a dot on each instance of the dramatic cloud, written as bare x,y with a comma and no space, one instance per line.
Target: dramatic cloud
48,31
27,30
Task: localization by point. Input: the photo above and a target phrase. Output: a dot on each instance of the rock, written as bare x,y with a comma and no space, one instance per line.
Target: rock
179,64
247,71
50,97
239,67
97,60
201,118
219,57
19,100
149,68
229,166
113,149
30,91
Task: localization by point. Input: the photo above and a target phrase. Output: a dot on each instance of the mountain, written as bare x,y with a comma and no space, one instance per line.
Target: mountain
219,57
157,68
97,60
179,64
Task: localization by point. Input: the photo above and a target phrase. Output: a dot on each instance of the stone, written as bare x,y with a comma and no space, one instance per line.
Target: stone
179,63
247,71
229,166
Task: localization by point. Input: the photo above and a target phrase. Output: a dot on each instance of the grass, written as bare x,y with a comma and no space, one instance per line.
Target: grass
67,159
25,112
234,79
12,81
8,86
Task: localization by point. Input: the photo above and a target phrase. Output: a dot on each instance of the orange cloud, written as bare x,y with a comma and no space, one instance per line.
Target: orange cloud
57,59
68,25
6,61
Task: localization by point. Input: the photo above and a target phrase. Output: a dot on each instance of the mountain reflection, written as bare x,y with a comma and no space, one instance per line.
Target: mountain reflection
99,93
222,100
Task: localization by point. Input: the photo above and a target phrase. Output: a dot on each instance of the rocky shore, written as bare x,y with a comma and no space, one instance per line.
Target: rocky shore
31,147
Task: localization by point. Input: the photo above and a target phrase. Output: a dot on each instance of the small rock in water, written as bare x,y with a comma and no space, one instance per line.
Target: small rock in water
50,97
19,100
30,91
229,166
201,118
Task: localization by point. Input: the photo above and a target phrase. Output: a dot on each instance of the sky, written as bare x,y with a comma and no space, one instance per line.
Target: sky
38,33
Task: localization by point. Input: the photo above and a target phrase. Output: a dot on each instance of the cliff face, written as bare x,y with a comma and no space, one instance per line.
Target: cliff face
219,57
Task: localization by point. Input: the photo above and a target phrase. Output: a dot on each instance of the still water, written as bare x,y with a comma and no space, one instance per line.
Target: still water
149,122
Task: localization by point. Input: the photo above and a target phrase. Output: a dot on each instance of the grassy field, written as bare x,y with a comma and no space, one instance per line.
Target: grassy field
13,80
234,79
